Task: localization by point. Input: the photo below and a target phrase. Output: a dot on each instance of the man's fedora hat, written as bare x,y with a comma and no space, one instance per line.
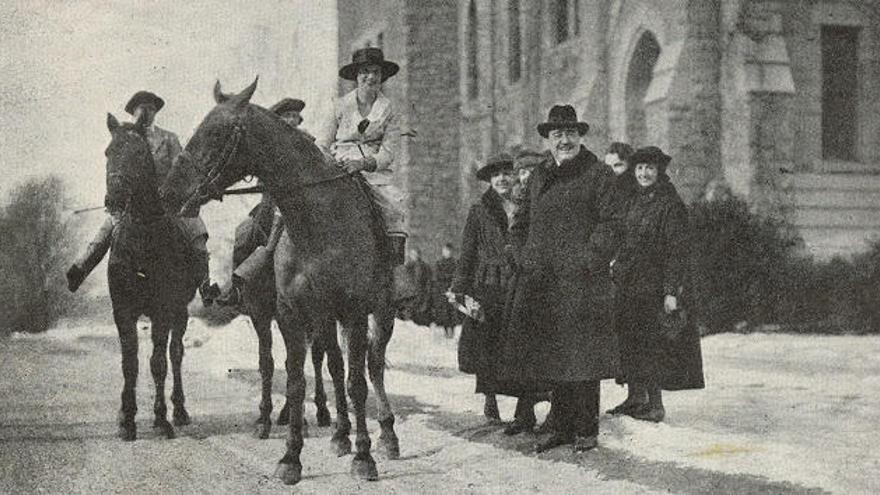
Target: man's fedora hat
495,164
288,105
652,155
141,98
562,117
368,56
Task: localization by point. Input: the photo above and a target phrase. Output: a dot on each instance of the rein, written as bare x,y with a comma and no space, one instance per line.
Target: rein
207,188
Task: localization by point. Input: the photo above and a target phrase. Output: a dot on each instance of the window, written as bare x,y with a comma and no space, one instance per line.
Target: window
473,88
514,41
380,41
560,17
576,17
839,92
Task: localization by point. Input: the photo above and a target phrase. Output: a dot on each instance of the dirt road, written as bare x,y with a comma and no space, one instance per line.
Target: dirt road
781,415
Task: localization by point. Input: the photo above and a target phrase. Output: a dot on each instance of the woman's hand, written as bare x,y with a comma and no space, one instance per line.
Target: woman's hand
670,304
367,164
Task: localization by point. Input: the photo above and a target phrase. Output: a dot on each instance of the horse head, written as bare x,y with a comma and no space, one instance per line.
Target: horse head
212,160
131,174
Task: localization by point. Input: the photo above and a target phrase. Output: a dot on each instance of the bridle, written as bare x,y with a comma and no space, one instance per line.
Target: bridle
208,189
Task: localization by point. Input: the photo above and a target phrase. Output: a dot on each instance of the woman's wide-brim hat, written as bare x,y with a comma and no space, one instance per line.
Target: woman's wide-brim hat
141,98
498,163
288,105
368,56
652,155
562,117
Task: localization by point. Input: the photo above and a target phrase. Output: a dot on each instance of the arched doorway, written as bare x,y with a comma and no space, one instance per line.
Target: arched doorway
638,78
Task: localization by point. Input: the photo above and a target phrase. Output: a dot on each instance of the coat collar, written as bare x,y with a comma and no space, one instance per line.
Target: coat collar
492,203
376,112
577,165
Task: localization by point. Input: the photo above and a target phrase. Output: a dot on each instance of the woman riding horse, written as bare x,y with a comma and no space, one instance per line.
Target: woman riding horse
330,265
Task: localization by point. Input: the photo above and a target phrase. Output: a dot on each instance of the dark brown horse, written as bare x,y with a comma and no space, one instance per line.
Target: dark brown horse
259,298
331,265
150,273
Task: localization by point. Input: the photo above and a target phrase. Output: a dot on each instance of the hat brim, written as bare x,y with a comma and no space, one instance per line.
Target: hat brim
486,172
350,71
660,159
285,106
545,128
143,98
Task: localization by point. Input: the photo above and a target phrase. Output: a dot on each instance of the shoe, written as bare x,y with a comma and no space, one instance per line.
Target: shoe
585,443
230,298
75,277
649,413
209,292
557,439
518,426
625,408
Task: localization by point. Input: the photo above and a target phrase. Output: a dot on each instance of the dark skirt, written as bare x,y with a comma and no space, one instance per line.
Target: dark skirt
650,358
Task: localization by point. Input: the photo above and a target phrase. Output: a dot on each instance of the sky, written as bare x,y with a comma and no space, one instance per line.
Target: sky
66,64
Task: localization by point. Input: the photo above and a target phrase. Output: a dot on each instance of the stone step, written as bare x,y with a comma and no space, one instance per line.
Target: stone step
837,198
824,243
846,218
843,182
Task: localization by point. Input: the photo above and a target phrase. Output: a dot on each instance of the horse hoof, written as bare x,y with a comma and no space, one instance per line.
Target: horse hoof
323,417
289,474
342,444
165,426
364,469
262,429
181,417
128,432
390,446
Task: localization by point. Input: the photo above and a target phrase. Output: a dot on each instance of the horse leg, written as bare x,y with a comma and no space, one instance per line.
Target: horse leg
178,329
126,327
289,467
376,364
336,365
362,466
263,326
318,348
159,369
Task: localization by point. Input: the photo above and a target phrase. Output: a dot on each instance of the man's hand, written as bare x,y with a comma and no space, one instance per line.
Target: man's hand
670,304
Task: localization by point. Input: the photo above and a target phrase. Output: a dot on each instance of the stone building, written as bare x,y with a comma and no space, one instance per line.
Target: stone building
777,98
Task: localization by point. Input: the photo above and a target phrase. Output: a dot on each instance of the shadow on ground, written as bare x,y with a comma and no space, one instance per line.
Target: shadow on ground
612,464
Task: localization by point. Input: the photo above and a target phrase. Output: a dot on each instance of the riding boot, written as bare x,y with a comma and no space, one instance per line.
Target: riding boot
93,255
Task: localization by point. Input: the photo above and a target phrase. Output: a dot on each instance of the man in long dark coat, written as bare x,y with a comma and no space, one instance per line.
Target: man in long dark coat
559,334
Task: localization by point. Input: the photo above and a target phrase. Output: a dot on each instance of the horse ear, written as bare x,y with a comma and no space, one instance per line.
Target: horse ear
244,97
112,123
219,97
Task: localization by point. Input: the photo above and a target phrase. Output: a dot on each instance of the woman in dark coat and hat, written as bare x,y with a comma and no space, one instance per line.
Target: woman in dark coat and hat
483,272
659,348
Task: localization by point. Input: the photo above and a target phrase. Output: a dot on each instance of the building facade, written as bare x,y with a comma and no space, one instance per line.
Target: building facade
778,98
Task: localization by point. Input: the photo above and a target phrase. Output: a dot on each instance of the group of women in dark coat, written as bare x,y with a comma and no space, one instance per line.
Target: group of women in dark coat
656,347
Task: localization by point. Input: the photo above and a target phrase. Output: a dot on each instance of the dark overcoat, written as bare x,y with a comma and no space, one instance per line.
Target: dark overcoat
483,272
651,264
559,327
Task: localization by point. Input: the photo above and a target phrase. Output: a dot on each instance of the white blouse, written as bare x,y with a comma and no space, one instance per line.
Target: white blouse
340,138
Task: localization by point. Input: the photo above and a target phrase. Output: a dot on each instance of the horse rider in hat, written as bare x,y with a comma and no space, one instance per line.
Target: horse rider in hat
165,147
361,136
257,236
559,334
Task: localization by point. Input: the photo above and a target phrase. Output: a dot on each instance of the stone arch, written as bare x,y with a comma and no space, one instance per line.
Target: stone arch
639,75
630,21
